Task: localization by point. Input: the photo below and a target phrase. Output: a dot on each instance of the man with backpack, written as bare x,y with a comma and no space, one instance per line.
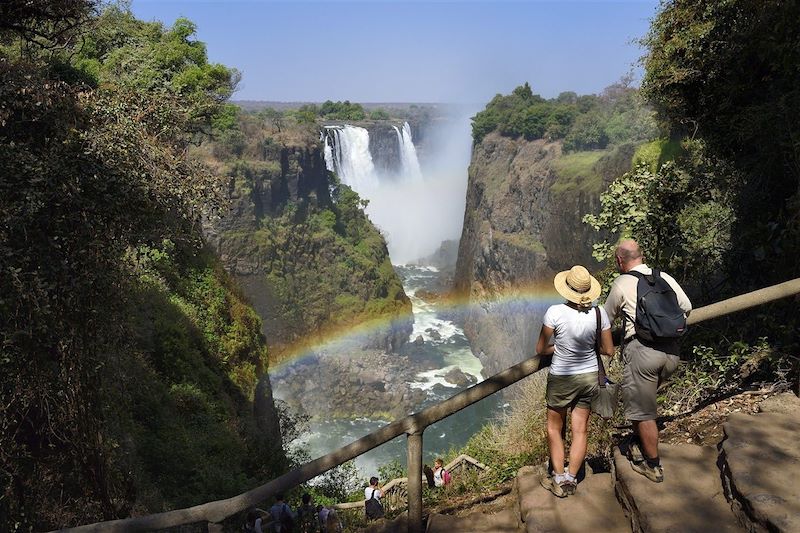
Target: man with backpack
373,507
654,308
282,516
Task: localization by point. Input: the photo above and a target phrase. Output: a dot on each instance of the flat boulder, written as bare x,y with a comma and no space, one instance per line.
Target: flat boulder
786,403
593,507
460,378
689,500
761,466
505,521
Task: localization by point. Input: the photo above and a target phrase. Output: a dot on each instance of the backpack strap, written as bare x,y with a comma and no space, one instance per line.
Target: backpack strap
601,369
649,278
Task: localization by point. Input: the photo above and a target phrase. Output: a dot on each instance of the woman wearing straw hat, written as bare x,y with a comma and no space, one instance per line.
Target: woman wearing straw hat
572,380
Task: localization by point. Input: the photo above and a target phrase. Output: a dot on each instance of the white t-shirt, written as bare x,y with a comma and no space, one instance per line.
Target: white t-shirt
368,493
438,477
574,333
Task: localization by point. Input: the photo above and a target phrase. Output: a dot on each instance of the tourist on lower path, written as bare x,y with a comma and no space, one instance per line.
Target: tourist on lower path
572,380
372,500
647,362
282,516
441,476
307,515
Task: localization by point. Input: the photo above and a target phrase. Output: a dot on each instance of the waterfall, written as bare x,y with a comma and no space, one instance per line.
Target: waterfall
349,157
408,154
415,211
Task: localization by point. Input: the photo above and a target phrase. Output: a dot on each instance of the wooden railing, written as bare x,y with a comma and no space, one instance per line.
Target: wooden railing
413,426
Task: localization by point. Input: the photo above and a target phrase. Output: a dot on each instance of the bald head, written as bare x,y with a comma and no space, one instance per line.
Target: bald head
628,255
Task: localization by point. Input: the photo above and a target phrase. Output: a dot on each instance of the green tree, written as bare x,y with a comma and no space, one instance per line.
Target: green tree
588,132
273,117
723,72
379,114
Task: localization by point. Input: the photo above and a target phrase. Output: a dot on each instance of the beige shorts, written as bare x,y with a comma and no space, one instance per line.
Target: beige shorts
644,370
571,391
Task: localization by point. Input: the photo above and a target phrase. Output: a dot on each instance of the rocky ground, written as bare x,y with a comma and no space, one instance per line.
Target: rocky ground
703,425
363,383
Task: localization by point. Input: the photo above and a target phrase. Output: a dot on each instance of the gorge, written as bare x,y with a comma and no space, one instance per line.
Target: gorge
522,203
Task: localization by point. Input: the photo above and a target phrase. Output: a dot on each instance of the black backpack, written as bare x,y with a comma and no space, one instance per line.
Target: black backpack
373,507
658,315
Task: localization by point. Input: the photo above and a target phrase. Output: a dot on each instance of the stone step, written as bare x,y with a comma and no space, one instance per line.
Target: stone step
593,507
760,462
690,500
506,521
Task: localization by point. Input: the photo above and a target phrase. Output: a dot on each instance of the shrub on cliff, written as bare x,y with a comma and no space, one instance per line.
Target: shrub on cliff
584,122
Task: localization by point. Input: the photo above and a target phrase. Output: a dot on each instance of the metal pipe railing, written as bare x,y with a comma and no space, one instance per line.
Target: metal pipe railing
413,426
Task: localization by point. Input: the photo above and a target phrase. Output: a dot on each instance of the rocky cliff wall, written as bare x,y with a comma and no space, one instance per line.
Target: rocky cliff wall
522,224
305,260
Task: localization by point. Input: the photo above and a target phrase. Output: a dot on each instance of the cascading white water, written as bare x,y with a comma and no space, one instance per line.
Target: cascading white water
349,157
408,154
415,210
328,153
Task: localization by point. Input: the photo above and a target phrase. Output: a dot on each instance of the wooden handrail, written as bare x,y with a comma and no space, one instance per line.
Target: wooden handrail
745,301
412,425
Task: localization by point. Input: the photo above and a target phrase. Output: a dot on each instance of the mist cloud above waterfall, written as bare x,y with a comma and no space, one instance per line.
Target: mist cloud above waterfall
416,216
397,51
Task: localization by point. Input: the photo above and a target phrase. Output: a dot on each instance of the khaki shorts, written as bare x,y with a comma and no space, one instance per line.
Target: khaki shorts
644,370
571,391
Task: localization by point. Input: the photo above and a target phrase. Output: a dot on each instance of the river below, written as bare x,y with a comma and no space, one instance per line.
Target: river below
440,347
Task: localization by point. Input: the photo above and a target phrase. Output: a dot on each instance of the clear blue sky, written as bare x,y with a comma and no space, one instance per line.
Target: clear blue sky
415,51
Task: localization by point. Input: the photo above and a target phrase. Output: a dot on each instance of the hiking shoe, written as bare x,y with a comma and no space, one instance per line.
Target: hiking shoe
569,487
634,452
550,484
653,473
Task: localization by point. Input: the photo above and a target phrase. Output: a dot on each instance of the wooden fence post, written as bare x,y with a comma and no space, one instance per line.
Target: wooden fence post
415,482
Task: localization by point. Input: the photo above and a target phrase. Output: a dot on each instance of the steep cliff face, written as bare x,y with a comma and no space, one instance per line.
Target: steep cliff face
301,247
522,224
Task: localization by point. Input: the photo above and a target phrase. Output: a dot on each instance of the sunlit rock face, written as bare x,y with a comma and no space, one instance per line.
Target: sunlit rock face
522,224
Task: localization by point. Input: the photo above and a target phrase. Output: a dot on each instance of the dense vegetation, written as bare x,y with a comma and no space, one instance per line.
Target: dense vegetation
124,346
585,122
714,201
329,111
325,263
724,213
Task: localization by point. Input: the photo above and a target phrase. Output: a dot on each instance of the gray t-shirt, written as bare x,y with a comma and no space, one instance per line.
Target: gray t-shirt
575,334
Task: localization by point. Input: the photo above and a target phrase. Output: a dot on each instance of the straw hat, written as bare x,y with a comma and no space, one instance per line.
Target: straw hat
577,286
